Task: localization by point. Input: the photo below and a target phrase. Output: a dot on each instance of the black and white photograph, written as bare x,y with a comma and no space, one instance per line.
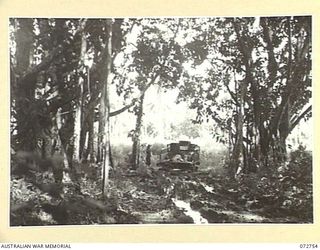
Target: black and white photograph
160,120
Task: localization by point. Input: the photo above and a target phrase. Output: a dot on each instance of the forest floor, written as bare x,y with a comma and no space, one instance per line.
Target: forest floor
154,196
196,197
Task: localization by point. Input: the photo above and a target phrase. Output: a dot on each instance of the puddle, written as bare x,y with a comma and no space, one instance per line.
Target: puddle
196,216
207,188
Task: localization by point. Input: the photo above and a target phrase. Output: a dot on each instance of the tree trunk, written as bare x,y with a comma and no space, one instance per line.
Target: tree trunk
77,120
77,130
24,49
62,148
281,150
280,126
24,39
238,157
90,147
245,47
136,135
83,139
105,107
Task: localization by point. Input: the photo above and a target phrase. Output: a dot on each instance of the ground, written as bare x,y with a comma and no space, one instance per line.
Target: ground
153,196
197,197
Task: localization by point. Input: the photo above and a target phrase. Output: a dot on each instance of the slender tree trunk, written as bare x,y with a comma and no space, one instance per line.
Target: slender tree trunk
102,121
238,157
106,108
77,129
100,149
62,148
77,120
90,147
283,134
136,136
257,147
83,139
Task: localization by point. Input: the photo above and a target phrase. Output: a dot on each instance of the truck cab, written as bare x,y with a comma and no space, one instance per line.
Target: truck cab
180,155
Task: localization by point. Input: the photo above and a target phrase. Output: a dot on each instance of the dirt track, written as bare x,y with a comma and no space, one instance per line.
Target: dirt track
190,198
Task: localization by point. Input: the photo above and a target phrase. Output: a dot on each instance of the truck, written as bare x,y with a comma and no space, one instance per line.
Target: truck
182,155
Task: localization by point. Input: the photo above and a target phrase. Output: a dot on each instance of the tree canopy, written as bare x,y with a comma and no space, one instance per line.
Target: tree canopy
246,83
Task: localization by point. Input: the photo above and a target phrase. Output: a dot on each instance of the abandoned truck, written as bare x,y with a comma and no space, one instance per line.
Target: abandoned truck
180,156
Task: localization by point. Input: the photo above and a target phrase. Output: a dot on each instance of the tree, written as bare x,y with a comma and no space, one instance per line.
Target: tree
105,106
264,65
136,134
155,58
22,92
79,101
39,78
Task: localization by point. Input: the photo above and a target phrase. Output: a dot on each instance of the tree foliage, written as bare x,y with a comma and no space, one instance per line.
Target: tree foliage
264,63
250,78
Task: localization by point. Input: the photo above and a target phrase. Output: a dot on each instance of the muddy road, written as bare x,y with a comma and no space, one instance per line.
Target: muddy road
197,198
